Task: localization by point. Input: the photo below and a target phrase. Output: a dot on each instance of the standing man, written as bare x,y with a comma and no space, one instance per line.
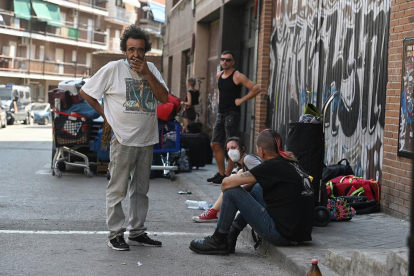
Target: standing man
230,82
131,89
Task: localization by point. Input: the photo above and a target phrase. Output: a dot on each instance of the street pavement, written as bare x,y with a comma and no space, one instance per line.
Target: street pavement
373,244
56,226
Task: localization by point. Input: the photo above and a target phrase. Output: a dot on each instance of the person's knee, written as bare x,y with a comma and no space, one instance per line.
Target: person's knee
215,146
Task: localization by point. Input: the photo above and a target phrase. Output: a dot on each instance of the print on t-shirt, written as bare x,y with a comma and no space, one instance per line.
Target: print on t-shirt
305,180
139,96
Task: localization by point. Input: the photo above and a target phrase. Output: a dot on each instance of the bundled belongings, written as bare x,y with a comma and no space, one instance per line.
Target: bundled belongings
62,95
340,209
167,111
355,190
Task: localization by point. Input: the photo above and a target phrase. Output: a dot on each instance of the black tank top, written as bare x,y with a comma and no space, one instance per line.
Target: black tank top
229,92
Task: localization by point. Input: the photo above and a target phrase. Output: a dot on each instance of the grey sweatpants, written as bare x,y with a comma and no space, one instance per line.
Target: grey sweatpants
126,160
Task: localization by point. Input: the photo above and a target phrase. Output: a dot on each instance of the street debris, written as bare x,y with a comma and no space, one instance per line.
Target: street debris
185,192
139,264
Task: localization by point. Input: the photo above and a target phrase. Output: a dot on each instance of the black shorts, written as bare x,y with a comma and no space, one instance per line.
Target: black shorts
189,114
226,126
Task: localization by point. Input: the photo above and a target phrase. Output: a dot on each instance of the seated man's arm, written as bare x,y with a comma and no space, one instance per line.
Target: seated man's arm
237,180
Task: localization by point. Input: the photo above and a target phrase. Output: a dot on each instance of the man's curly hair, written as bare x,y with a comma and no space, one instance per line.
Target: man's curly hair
136,33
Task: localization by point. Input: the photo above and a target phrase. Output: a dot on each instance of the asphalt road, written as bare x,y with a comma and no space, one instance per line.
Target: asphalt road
52,226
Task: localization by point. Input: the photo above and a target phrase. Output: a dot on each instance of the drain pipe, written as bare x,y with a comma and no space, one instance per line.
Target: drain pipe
255,62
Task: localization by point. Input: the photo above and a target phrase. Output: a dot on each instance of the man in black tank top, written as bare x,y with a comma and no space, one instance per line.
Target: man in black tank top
230,83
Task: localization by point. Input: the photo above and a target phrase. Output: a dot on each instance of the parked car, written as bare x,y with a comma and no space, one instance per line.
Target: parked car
42,113
3,118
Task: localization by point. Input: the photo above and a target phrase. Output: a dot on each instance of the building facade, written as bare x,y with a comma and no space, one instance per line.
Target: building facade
47,41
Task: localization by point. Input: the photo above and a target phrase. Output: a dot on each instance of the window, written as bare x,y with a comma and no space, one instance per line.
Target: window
27,95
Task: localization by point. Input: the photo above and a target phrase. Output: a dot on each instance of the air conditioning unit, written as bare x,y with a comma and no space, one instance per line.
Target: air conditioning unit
73,13
24,41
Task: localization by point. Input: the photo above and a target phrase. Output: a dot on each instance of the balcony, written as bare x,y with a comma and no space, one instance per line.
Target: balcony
97,4
41,69
150,26
83,35
88,6
119,15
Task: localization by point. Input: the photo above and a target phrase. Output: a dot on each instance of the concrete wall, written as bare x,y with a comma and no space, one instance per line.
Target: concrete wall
397,171
180,27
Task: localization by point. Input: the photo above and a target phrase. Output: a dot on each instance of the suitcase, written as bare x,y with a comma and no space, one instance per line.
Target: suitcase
196,144
63,95
73,86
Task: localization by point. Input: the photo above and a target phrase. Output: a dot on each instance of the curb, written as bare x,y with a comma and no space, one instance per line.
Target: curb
293,259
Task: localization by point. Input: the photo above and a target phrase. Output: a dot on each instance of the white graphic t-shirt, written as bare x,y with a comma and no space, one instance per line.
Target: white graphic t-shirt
130,106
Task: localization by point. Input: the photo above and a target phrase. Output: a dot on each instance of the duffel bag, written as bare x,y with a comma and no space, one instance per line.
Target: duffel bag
351,185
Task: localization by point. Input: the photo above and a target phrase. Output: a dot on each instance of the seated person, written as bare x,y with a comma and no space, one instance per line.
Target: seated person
287,192
235,150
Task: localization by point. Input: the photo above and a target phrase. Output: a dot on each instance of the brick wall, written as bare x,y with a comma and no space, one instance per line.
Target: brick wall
263,69
397,171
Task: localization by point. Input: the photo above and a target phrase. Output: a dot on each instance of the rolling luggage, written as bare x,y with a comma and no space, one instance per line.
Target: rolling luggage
196,144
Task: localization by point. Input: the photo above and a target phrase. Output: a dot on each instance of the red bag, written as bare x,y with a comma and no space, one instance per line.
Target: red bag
63,95
351,185
170,109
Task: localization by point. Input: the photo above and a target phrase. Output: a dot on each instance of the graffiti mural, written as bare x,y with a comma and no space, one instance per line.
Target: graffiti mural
322,46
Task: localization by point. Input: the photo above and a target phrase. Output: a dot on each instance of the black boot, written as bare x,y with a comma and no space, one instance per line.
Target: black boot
232,238
211,245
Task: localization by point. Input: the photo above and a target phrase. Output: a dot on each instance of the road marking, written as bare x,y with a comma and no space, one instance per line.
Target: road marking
46,232
49,171
47,165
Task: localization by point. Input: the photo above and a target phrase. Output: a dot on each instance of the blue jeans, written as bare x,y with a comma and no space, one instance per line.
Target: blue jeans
252,212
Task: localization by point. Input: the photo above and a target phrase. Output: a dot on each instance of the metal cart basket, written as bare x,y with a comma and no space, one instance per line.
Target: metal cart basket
169,141
69,132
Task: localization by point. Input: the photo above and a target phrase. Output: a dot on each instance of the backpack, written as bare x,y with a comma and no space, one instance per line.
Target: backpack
167,111
351,185
332,171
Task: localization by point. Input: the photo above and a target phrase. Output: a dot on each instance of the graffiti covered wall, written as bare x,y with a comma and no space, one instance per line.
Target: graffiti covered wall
322,46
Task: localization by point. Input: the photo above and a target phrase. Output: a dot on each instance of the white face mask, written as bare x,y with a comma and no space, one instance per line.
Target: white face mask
234,155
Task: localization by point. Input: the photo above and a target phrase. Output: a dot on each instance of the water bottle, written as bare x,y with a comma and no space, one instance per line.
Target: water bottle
193,204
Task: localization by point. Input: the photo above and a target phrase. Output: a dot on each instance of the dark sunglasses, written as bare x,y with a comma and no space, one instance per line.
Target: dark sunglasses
226,59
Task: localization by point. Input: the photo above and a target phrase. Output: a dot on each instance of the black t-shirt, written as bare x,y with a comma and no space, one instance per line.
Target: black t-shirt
288,194
194,97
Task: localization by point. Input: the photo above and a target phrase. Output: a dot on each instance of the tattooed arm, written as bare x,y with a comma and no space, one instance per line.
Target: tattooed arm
237,180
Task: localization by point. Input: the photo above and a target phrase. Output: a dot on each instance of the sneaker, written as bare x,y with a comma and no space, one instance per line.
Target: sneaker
118,243
211,178
219,179
143,240
210,215
209,246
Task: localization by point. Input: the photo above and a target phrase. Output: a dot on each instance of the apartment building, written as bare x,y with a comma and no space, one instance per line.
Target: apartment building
47,41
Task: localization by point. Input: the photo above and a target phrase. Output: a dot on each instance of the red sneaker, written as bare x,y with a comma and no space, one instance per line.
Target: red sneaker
210,215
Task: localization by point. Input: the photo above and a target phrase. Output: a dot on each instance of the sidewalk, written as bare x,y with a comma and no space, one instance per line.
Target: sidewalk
372,244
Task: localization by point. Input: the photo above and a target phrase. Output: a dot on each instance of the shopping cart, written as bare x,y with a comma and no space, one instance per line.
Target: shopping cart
70,131
169,141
